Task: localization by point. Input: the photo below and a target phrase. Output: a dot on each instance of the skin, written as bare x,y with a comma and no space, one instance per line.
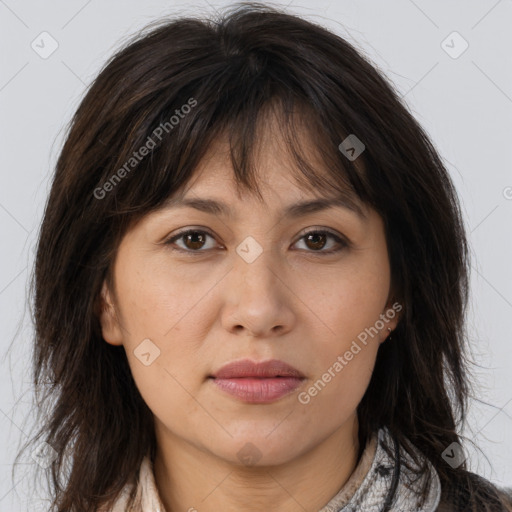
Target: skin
292,303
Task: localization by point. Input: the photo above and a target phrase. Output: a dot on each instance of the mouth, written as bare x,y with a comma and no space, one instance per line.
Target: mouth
246,368
257,382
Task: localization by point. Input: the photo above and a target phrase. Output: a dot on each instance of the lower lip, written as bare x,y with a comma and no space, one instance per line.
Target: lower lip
258,391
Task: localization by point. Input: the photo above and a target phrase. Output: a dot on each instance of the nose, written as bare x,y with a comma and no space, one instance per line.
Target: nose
258,300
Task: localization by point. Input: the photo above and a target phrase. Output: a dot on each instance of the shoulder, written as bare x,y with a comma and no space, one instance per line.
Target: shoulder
139,496
128,499
120,504
473,492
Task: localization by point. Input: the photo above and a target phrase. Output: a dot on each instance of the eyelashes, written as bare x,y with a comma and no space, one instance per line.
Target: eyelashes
188,233
198,237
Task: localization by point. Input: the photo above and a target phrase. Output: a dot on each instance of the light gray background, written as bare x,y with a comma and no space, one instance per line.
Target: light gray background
464,103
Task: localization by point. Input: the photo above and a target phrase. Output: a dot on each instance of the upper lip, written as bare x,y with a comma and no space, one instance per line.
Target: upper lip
263,369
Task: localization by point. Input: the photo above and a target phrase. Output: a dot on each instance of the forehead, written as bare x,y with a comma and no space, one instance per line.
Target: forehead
271,164
213,189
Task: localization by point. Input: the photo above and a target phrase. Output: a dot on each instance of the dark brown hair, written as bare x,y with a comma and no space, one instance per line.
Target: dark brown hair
232,72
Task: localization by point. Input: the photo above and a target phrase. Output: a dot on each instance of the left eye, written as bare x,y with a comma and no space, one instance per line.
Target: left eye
317,239
194,240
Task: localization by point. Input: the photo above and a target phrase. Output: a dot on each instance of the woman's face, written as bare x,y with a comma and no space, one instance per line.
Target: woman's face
251,285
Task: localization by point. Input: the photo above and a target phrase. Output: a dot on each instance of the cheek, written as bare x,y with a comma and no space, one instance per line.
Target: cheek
169,377
338,389
343,360
156,306
167,395
347,311
159,299
347,302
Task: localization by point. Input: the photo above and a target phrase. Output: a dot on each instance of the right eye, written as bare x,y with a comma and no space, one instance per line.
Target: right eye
193,239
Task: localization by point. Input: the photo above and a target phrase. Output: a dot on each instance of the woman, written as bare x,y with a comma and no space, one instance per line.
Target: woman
251,282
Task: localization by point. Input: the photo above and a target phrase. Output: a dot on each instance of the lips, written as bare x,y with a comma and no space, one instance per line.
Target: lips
245,368
257,382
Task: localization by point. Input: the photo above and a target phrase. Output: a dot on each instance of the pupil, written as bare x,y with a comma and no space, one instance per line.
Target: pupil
190,237
322,243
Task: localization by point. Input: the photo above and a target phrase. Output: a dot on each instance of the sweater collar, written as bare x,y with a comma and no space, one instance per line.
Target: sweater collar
381,484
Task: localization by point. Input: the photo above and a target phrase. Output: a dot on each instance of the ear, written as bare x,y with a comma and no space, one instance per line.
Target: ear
110,326
392,314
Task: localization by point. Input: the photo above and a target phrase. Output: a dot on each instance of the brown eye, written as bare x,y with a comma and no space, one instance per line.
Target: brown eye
193,240
315,241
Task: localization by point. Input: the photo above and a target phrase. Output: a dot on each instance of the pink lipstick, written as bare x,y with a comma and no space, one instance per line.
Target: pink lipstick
257,382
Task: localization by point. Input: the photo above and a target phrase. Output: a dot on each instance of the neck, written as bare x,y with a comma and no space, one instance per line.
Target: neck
192,479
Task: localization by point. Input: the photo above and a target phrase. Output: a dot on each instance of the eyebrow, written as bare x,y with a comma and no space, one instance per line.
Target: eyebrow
299,209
